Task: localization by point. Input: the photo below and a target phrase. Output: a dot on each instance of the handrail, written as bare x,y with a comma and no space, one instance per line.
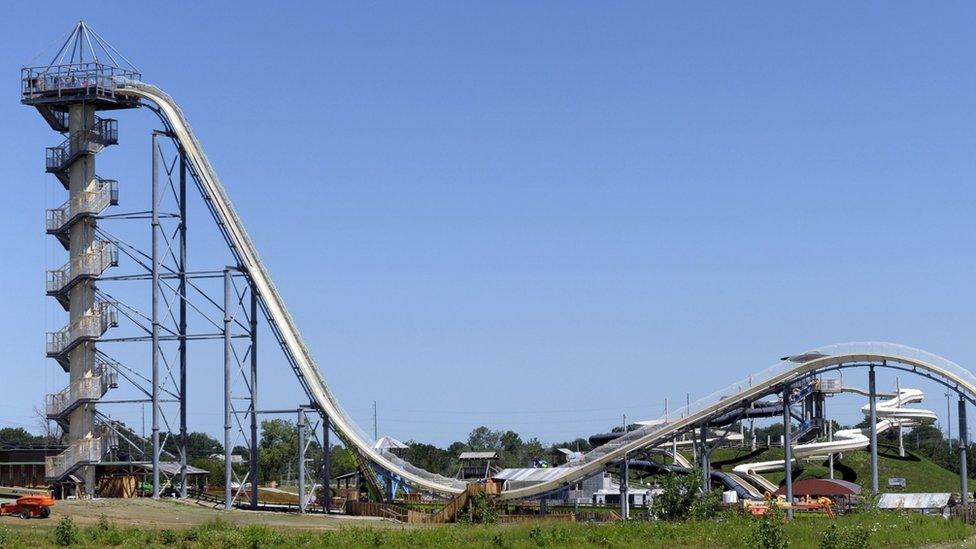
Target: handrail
91,202
101,255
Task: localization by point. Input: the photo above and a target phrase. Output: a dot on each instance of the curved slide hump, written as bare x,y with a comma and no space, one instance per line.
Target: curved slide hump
735,396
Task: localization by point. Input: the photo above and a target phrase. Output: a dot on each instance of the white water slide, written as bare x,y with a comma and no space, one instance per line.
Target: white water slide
891,412
735,396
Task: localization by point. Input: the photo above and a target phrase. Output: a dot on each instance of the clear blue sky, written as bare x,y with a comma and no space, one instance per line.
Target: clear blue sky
573,210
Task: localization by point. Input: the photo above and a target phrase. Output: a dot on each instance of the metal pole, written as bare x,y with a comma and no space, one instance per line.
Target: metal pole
830,438
948,422
228,350
788,450
326,463
624,488
901,432
184,437
704,459
155,318
963,453
375,435
253,465
301,460
872,393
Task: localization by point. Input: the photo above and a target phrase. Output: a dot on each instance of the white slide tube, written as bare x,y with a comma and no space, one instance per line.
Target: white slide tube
752,388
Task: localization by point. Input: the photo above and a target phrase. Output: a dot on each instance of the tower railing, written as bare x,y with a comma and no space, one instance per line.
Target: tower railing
87,327
92,79
92,263
86,389
104,194
80,452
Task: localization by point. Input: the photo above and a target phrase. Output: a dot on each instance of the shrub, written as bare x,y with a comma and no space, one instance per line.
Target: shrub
678,495
66,532
830,539
707,506
168,537
768,533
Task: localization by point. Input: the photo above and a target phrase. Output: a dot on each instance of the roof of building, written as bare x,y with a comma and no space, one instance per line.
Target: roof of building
478,455
165,467
389,443
915,501
822,487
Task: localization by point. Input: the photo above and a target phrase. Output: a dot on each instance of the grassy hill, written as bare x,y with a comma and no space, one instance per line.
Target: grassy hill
921,474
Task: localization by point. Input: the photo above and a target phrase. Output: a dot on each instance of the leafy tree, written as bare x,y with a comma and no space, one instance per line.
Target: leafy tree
342,460
484,439
430,457
456,448
198,446
18,436
278,449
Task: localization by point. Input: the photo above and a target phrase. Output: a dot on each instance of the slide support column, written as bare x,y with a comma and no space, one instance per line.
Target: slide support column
788,450
872,397
963,453
228,472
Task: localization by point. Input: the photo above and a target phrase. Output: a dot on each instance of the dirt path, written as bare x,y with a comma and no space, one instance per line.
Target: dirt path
175,514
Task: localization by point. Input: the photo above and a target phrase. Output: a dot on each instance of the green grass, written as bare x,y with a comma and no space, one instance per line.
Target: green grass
921,474
882,530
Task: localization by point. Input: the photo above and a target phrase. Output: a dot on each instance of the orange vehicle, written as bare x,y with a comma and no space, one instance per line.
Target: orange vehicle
27,507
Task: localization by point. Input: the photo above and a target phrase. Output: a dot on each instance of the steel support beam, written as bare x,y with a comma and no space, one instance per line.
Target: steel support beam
155,317
963,453
184,436
873,419
625,488
301,461
703,437
253,461
228,352
788,450
901,431
326,464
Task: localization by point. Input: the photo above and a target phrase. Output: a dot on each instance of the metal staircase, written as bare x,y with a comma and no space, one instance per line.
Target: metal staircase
88,327
90,264
102,194
81,452
58,159
58,406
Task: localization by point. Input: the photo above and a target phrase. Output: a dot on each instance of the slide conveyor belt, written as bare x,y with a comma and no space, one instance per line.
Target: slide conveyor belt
593,462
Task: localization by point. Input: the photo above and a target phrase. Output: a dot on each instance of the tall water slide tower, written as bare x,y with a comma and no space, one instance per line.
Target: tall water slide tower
69,93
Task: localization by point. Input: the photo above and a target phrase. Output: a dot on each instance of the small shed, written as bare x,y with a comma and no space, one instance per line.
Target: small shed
938,503
477,465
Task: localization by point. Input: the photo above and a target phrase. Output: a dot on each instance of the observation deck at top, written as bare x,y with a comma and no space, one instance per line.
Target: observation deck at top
85,69
59,85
